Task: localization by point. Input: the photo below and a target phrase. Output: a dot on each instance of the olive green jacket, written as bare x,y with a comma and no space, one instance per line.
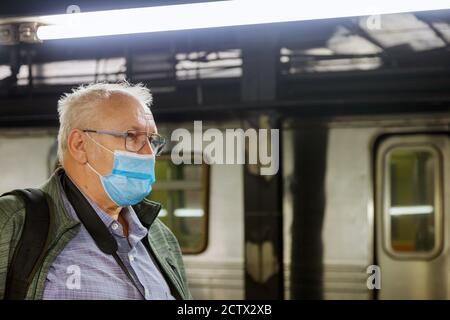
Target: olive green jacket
64,228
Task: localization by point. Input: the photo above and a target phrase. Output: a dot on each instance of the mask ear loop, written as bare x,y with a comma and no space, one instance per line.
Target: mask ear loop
100,145
101,180
96,172
88,164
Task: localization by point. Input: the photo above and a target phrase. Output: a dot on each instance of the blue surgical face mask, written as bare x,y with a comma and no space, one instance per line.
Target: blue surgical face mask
131,178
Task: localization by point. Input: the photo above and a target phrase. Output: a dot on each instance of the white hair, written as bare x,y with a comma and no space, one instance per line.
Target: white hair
76,109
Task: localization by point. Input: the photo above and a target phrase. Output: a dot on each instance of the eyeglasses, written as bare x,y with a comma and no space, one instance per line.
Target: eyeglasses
136,140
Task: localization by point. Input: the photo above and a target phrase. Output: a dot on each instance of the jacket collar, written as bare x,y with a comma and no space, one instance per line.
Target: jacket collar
147,211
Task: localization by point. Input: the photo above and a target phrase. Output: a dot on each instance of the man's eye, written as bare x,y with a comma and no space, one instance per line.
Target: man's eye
132,136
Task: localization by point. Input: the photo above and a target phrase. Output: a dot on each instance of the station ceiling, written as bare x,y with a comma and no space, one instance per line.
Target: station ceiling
402,58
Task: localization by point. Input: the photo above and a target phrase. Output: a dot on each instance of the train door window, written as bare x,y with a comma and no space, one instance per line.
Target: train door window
183,192
411,200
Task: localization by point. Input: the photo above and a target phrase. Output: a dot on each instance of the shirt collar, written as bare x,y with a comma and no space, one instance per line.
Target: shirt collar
136,231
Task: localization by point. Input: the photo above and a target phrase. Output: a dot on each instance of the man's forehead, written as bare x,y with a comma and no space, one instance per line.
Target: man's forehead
127,113
144,122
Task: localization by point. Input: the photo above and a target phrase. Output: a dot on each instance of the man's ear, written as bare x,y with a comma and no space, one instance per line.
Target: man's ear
76,145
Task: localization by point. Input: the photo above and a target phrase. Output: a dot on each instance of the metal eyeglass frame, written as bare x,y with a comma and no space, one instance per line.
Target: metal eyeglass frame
157,150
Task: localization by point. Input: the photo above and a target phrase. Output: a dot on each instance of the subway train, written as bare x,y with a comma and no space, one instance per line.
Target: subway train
357,192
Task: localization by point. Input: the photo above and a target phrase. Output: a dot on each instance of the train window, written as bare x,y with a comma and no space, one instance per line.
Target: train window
183,192
412,187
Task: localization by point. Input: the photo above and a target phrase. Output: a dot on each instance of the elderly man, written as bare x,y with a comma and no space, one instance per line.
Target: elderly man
104,241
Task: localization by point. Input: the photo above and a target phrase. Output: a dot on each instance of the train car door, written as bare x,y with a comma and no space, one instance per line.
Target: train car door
412,216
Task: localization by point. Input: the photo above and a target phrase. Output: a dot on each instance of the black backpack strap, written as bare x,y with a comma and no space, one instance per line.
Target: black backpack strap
28,254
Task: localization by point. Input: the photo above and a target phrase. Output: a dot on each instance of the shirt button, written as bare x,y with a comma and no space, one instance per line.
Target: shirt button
131,257
115,226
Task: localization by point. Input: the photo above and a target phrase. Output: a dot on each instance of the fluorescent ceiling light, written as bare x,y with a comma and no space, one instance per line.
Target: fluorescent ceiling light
191,213
399,211
218,14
